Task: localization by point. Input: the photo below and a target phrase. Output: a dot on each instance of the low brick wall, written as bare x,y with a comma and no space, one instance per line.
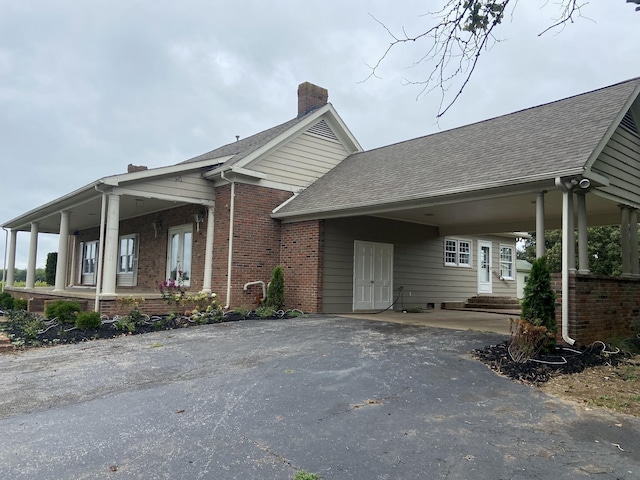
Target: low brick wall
601,307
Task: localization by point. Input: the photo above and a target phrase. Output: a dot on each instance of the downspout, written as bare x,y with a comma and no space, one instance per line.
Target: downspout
567,189
103,214
230,256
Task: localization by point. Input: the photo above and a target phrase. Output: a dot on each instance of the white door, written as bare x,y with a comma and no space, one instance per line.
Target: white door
372,276
127,275
484,267
179,254
89,263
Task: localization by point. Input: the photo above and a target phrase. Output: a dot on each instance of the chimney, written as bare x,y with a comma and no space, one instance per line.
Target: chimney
310,97
135,168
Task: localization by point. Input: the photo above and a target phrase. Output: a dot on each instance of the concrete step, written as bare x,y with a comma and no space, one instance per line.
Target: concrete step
5,344
493,303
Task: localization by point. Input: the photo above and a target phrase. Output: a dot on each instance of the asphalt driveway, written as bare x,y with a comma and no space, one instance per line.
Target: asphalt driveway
344,398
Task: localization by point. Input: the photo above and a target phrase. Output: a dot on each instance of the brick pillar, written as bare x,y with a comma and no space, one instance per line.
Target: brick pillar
301,257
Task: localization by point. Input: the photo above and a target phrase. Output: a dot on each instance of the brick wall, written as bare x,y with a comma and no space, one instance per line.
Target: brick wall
601,307
256,241
301,257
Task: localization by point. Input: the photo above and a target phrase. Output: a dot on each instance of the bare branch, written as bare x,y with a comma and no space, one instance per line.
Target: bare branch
463,30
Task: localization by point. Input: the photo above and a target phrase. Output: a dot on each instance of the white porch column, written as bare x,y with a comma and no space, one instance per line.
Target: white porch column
633,241
583,251
111,246
571,232
11,267
33,251
208,253
624,240
63,249
540,250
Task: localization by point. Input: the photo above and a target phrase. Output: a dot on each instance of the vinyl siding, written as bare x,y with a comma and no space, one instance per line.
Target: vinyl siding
190,186
418,264
620,162
301,161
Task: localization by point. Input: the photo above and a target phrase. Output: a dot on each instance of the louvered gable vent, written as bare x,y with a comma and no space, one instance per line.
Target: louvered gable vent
629,123
321,129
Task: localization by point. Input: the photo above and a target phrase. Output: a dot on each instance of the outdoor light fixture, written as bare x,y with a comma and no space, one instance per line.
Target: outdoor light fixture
199,218
157,226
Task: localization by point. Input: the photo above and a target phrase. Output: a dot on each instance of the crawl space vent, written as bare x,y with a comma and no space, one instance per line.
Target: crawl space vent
629,123
321,129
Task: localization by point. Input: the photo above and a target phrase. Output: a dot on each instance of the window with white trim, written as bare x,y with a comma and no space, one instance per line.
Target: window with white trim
506,262
457,253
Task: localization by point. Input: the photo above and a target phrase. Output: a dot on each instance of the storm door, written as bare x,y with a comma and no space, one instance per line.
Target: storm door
127,275
484,267
179,253
372,277
89,263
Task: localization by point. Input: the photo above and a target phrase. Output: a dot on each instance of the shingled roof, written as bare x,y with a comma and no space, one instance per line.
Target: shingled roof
550,140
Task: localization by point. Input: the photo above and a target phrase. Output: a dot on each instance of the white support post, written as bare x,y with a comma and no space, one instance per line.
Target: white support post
63,250
33,252
111,246
540,249
208,253
11,267
624,240
583,251
633,241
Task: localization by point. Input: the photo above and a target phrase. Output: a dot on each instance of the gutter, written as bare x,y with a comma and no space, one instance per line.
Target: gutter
567,189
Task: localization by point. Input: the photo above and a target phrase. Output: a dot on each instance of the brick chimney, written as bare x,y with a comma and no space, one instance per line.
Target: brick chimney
131,168
310,97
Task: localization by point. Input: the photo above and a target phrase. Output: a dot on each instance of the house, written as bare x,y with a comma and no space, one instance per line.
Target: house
523,268
421,222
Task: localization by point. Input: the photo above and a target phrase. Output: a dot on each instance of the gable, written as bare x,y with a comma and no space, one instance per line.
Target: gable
304,158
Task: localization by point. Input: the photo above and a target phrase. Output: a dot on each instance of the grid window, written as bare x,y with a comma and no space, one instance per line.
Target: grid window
506,262
457,253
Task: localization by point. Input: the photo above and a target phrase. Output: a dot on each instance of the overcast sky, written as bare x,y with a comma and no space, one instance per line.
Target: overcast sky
87,87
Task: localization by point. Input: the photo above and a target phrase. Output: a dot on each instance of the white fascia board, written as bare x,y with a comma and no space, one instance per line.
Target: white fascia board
115,180
162,196
477,192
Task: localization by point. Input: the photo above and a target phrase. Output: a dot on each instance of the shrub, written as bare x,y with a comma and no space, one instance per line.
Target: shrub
275,292
64,310
50,268
20,304
302,475
6,301
539,303
265,311
88,320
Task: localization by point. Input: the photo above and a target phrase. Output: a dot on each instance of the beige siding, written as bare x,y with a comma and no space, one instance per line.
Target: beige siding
620,162
418,264
302,161
189,186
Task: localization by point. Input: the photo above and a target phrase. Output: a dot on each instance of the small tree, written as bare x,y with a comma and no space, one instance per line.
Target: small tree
539,303
275,292
50,268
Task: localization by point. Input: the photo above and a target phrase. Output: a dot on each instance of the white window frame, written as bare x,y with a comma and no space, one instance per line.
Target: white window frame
510,263
461,248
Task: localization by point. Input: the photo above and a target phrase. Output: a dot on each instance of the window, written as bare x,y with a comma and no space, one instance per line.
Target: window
126,254
90,250
457,253
506,262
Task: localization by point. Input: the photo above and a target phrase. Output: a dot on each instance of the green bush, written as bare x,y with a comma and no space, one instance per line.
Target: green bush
539,303
64,310
302,475
265,311
20,304
50,268
275,292
6,301
88,320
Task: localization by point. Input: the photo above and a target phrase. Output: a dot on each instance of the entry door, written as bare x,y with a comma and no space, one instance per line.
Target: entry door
179,253
484,267
127,275
372,277
89,263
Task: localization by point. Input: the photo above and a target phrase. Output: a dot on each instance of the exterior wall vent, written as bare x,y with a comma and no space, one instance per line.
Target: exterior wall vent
629,123
321,129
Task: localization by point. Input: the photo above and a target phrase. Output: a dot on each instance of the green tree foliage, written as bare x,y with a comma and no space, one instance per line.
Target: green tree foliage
604,248
50,268
275,292
539,302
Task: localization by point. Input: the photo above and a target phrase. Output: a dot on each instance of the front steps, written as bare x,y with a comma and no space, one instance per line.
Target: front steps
487,303
5,344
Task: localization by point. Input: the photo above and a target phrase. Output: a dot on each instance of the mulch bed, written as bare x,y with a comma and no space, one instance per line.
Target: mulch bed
541,368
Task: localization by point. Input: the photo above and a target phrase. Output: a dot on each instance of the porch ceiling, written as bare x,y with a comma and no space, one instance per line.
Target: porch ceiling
496,212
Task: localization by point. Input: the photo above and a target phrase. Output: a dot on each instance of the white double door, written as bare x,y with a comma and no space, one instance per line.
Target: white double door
372,276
